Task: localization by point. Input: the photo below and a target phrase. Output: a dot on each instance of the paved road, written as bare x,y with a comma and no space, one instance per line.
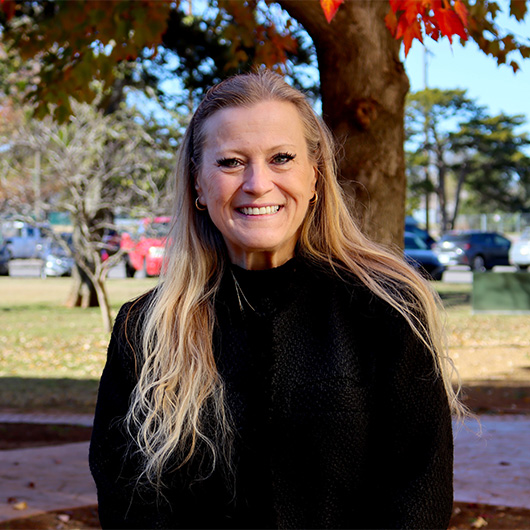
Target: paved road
30,268
492,468
464,275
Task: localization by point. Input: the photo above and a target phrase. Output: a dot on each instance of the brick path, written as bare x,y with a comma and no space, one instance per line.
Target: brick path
493,468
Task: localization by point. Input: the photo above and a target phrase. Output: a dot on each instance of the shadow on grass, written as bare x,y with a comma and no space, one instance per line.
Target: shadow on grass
454,299
43,306
27,394
501,397
79,395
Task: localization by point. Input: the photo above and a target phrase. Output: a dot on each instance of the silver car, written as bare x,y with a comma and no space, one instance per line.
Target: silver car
56,261
520,251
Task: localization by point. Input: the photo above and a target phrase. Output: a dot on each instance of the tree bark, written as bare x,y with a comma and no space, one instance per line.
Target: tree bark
104,305
89,291
363,85
83,292
458,193
442,193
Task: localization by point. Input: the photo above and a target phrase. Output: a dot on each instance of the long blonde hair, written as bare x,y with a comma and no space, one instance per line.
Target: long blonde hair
178,381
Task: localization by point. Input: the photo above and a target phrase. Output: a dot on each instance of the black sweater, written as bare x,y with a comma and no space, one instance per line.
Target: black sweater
339,417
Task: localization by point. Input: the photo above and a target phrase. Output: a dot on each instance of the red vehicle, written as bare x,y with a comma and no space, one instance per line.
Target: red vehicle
145,249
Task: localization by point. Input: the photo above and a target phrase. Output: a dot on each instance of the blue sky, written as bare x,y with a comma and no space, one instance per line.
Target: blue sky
466,67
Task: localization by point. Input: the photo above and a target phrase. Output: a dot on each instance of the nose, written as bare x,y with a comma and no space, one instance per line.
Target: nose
257,180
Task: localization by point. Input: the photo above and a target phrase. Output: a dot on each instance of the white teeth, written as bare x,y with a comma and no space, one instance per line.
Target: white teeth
265,210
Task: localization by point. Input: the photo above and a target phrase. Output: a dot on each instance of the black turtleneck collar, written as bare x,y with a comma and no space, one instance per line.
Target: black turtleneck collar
261,292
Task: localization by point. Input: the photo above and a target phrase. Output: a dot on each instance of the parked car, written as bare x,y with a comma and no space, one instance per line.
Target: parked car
422,258
480,251
24,240
145,249
112,241
56,260
520,251
4,257
412,227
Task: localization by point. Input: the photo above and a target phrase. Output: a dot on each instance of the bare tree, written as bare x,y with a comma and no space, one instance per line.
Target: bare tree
90,167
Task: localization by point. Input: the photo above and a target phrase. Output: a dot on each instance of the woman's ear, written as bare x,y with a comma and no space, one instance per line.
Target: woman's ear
198,188
315,178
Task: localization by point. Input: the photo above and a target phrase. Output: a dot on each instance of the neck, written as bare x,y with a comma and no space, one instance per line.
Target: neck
261,260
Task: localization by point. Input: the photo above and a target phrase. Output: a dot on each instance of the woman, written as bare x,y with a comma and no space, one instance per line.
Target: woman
286,372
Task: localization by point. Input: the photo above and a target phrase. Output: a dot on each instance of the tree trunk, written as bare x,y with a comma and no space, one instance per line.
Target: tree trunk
459,185
363,85
103,304
83,292
89,291
442,196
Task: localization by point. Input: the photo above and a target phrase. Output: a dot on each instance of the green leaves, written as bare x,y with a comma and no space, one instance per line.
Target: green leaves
455,143
498,169
76,42
500,44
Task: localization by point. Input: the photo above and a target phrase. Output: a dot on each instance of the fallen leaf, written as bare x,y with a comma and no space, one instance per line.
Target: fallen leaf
20,505
63,517
30,485
479,522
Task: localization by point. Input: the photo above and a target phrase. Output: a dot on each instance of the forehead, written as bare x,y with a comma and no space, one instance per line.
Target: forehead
266,123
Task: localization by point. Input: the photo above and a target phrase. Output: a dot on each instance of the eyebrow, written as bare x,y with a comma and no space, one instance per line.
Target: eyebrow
235,149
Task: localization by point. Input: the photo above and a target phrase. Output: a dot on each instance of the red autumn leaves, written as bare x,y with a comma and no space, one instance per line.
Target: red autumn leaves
330,8
412,19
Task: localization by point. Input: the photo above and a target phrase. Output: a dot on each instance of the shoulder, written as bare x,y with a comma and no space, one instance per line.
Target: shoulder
130,318
368,315
346,286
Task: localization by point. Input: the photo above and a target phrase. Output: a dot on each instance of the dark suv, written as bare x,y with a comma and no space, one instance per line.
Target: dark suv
478,250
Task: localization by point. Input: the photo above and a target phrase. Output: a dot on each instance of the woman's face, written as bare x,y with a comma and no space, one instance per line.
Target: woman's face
256,179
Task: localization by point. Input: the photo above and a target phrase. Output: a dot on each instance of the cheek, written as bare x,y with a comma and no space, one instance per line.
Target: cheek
215,188
314,178
204,184
309,183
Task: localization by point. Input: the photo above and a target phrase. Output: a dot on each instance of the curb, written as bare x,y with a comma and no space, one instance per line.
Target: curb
84,420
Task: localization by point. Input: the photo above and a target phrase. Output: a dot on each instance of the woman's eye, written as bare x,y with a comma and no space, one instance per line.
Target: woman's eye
228,162
283,158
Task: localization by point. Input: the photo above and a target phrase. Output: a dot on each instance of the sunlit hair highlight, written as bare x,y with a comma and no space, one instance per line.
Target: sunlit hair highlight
179,401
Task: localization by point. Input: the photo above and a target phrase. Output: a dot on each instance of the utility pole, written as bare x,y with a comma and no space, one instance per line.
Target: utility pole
36,187
426,132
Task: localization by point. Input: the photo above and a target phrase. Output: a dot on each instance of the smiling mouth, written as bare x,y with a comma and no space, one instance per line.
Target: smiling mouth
264,210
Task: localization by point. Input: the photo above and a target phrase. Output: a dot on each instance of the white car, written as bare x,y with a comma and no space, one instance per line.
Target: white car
520,251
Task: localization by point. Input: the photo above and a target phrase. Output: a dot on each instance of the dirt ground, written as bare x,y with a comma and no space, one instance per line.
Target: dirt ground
22,435
495,372
465,517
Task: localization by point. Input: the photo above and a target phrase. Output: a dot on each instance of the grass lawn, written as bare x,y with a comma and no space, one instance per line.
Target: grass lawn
485,347
51,357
